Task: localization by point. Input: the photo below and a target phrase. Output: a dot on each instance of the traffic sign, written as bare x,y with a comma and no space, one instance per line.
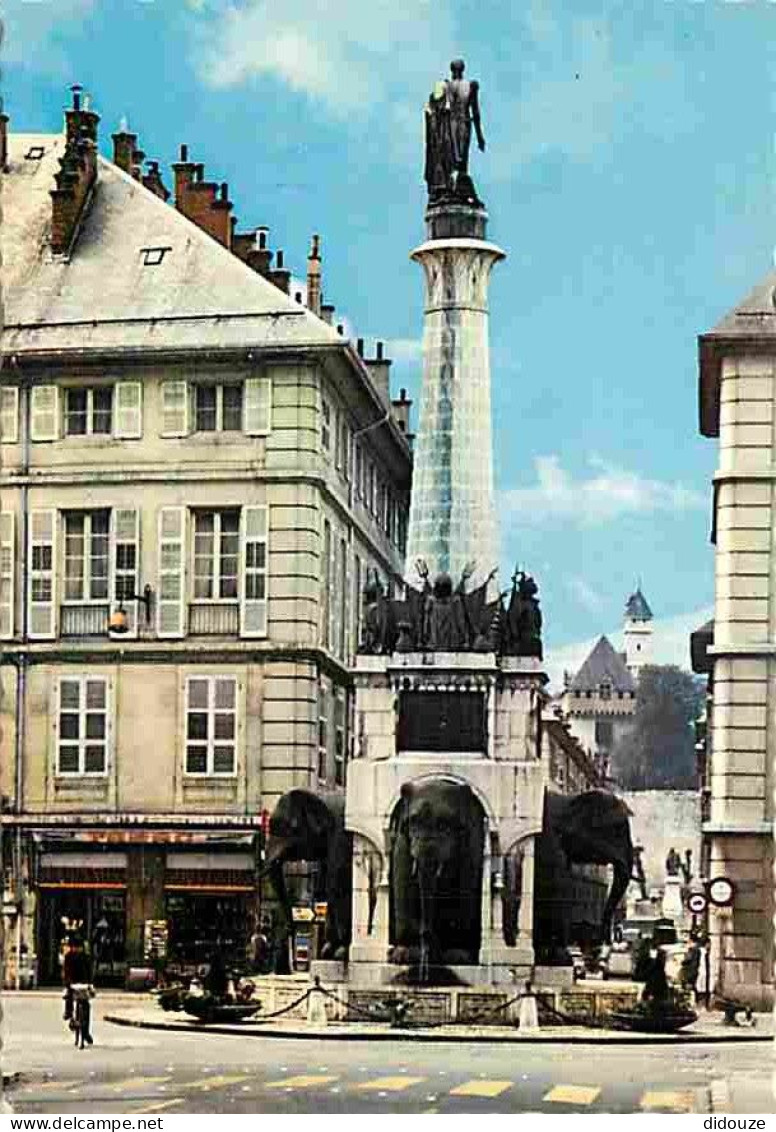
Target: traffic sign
697,903
720,891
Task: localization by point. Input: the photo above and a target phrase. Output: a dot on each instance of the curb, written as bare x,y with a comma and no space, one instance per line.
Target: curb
612,1037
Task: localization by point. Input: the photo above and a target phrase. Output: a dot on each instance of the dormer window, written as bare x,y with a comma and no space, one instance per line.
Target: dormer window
605,689
152,257
34,153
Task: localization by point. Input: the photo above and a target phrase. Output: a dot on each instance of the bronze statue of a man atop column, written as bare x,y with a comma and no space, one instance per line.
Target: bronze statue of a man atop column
452,111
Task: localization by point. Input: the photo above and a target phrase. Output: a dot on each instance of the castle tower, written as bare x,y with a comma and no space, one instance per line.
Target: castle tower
452,511
637,633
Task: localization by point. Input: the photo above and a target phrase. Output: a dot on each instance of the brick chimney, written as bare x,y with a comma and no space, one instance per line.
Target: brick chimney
3,141
76,176
124,146
314,277
251,248
203,202
280,275
153,181
184,172
380,371
400,411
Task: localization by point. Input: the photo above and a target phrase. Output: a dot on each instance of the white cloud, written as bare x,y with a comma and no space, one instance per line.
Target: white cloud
31,28
587,597
609,493
670,645
346,55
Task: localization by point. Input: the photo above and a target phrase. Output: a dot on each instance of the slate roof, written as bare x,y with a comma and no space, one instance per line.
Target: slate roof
104,297
636,607
750,325
602,664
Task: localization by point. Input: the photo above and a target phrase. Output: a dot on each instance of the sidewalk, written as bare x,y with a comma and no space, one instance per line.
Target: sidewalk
708,1029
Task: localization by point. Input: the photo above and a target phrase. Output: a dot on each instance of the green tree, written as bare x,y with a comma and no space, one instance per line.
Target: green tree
658,753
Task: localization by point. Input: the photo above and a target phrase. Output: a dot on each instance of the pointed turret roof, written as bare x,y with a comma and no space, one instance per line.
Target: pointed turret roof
603,664
637,607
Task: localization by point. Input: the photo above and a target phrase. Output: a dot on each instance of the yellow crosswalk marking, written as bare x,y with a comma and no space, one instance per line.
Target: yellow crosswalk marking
389,1084
138,1083
215,1082
676,1100
573,1094
480,1088
304,1081
156,1106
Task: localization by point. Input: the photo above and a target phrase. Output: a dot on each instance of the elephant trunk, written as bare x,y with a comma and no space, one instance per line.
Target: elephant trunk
428,870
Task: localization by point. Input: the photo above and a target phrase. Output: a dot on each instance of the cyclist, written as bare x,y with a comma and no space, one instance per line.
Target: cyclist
77,976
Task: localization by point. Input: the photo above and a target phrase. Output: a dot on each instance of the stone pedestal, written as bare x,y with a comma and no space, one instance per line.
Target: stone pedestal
672,906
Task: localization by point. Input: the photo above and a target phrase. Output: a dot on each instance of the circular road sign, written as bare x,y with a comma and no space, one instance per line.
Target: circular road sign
697,903
720,892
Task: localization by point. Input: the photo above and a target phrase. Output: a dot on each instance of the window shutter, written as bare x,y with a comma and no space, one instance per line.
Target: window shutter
125,560
129,410
44,412
258,406
170,605
42,558
254,529
175,408
9,414
7,573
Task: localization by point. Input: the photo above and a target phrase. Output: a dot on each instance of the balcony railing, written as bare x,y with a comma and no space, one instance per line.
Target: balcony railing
87,620
214,620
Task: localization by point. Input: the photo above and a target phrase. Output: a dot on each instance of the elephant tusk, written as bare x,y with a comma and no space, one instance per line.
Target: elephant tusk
414,870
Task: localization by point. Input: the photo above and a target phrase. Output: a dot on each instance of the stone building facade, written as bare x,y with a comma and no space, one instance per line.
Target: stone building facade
599,702
738,406
192,454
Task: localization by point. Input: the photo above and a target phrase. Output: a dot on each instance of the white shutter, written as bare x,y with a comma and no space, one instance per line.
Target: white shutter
175,408
42,561
9,414
7,573
125,561
44,412
170,601
128,410
258,406
254,532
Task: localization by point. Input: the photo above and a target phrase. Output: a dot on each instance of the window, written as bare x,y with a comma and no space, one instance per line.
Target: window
605,689
9,414
339,738
343,446
216,555
211,725
344,602
604,732
152,257
325,425
326,584
323,732
87,538
82,725
218,408
89,412
357,469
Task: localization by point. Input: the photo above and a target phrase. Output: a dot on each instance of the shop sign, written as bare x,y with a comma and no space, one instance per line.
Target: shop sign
303,915
155,939
151,837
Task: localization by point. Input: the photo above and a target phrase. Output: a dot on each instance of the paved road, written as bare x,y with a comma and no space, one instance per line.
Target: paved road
137,1072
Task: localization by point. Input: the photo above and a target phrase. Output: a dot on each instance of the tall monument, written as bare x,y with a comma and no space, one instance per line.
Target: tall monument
452,511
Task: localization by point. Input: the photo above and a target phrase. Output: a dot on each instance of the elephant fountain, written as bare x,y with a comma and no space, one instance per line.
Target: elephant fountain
311,827
436,862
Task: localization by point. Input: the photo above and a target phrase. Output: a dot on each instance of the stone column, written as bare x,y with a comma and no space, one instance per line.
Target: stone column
452,512
525,915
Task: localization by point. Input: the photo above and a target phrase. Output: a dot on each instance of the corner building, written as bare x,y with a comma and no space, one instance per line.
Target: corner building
738,406
185,442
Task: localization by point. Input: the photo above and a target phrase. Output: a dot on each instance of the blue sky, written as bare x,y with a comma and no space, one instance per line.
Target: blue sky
628,174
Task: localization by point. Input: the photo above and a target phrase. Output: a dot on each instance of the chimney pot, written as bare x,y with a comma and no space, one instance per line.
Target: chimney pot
279,260
379,351
340,328
224,191
298,296
262,234
315,250
200,169
360,347
184,153
76,88
402,394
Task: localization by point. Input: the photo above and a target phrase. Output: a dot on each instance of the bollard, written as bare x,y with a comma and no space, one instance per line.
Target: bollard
528,1020
316,1006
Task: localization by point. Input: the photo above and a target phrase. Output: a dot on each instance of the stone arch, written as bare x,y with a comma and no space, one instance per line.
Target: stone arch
445,776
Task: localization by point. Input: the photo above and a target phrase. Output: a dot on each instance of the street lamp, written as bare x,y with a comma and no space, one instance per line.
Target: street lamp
118,622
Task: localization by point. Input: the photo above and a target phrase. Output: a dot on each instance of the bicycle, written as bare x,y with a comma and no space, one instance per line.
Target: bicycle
82,1013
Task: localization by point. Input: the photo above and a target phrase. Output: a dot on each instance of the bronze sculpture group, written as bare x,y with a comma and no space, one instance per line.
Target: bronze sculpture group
444,618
